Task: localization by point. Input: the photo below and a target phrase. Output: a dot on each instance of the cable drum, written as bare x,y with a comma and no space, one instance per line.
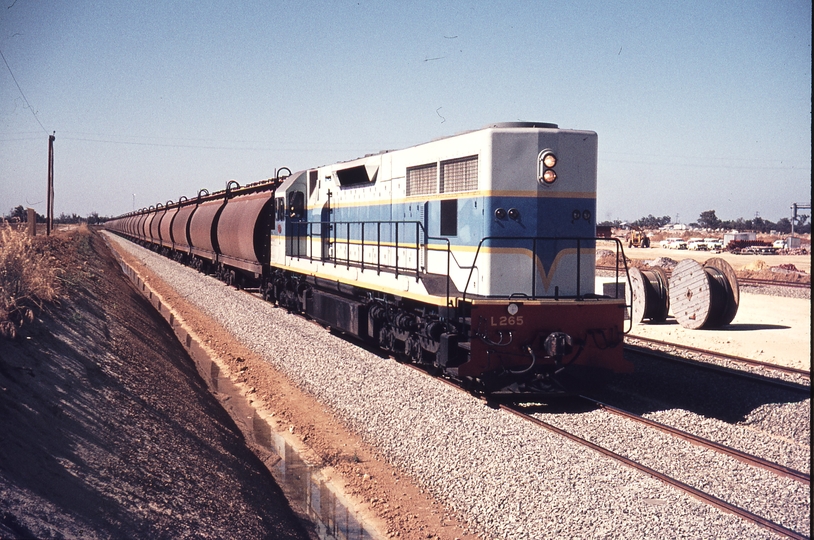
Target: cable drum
725,274
650,299
704,296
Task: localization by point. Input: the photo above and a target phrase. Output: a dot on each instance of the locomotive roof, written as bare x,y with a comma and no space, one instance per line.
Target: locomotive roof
498,125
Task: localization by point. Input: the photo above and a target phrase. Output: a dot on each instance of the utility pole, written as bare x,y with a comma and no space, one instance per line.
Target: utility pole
50,219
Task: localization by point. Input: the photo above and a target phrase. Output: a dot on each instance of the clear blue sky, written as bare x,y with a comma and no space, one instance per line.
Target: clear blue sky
698,105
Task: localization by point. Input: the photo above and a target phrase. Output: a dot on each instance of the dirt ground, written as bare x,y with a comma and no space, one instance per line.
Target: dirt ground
109,431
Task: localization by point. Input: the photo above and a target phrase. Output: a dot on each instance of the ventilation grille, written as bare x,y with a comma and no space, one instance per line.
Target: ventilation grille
422,180
459,175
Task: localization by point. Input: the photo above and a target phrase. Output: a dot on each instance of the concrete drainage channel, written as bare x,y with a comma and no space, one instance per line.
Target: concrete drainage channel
310,496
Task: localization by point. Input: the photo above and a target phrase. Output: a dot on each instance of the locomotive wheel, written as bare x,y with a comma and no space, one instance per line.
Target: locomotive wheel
387,340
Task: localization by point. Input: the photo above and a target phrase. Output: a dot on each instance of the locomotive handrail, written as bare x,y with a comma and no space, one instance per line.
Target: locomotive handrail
534,240
421,242
333,226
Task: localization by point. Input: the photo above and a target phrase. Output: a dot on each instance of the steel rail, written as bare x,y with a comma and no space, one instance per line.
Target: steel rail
770,282
749,459
700,364
736,359
706,497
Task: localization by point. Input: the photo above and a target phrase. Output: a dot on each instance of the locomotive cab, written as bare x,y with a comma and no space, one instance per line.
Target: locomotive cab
290,220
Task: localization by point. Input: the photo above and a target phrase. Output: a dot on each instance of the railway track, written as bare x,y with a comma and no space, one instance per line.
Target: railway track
790,378
742,281
769,282
750,460
700,494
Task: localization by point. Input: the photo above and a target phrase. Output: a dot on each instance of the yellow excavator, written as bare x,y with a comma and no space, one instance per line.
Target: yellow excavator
638,239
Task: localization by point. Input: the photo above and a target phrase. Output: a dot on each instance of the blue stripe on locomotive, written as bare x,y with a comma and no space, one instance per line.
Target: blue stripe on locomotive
549,217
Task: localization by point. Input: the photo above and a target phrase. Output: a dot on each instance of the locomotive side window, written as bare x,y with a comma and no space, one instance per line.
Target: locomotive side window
280,209
312,182
449,218
355,176
296,205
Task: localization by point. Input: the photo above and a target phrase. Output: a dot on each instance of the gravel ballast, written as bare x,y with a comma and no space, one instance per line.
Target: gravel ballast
506,477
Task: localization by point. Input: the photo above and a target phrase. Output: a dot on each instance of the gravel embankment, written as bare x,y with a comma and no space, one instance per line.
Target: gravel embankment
506,477
778,290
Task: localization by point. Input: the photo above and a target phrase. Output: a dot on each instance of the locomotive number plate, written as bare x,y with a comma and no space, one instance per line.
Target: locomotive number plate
506,321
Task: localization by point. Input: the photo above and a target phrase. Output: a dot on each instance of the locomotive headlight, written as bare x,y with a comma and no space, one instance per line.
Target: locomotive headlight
546,161
513,309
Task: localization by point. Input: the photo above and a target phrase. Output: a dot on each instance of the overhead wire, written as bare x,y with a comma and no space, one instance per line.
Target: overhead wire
22,93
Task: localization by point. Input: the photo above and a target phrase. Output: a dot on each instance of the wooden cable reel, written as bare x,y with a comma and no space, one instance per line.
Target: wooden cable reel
704,296
649,290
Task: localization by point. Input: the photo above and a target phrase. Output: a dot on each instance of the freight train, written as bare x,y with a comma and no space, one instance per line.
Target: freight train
473,254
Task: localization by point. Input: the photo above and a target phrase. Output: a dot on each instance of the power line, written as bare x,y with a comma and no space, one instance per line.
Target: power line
707,166
21,93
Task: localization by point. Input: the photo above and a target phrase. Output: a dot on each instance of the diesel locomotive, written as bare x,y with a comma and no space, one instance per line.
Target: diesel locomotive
473,254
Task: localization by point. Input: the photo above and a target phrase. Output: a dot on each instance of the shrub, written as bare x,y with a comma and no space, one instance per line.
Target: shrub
28,279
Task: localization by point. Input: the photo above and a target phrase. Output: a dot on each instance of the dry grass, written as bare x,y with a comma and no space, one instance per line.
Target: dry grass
28,278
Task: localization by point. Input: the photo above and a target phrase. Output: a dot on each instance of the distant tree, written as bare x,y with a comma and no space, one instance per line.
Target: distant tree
783,225
67,218
19,213
651,222
614,223
800,225
709,220
737,224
